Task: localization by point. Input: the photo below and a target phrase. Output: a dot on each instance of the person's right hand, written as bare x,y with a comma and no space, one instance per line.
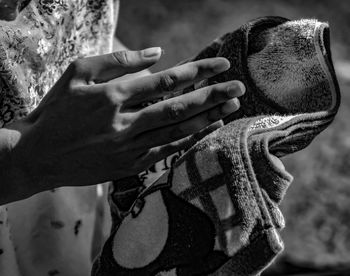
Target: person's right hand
92,126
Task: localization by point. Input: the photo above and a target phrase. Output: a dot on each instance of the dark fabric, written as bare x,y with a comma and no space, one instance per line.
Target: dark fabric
230,177
238,46
189,226
252,214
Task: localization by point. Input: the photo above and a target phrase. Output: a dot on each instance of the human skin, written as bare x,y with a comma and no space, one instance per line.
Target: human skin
9,9
92,127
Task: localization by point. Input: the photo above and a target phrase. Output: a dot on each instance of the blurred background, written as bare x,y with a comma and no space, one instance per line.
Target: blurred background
317,205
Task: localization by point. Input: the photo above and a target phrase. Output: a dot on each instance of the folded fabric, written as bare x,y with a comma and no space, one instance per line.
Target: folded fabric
286,66
216,211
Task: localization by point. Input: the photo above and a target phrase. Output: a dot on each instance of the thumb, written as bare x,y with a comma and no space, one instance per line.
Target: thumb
104,68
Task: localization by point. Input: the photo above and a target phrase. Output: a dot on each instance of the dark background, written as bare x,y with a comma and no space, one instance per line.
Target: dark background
317,205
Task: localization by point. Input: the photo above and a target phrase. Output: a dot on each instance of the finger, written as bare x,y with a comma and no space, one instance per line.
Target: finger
178,131
163,83
204,132
225,109
158,153
183,107
104,68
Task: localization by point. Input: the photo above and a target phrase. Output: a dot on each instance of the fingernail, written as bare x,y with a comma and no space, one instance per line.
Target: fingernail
242,86
235,89
152,52
221,65
230,108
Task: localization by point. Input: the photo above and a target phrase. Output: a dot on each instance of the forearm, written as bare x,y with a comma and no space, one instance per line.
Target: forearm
16,182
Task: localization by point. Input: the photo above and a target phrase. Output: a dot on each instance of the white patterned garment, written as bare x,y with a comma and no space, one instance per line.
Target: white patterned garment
52,233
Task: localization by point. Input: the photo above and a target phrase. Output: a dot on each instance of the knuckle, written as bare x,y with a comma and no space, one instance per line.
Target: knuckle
200,67
203,67
139,55
77,66
118,128
211,94
121,57
120,89
168,82
112,96
216,95
121,124
74,89
176,111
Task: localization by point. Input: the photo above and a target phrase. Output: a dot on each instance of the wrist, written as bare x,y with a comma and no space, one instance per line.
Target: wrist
15,182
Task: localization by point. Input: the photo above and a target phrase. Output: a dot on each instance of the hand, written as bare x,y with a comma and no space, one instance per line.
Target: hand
9,9
92,126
